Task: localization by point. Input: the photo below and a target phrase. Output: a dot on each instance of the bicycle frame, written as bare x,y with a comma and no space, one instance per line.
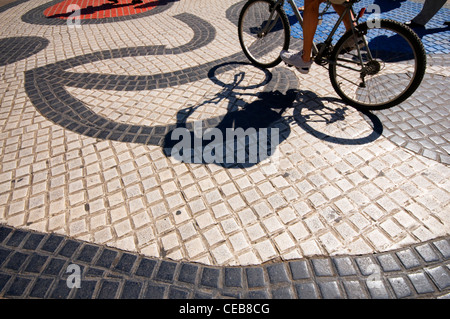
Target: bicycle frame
316,52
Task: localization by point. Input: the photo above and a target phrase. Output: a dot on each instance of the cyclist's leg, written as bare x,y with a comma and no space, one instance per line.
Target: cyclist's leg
340,10
310,20
302,60
429,9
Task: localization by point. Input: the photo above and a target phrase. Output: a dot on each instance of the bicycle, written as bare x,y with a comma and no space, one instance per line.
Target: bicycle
375,65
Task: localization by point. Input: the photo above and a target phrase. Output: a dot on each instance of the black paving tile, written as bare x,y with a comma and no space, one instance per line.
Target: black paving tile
377,290
4,278
255,277
440,276
427,253
4,232
188,273
52,243
233,277
421,283
126,263
166,271
282,293
307,290
322,267
154,291
299,269
87,253
131,290
33,241
106,258
257,294
54,267
18,287
16,261
16,238
444,247
94,272
366,265
388,262
210,277
408,258
86,290
344,266
177,293
400,287
354,289
4,253
330,290
418,271
277,273
36,263
41,287
69,248
61,290
108,289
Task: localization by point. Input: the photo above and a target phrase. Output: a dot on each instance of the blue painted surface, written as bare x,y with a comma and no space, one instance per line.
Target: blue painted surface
435,36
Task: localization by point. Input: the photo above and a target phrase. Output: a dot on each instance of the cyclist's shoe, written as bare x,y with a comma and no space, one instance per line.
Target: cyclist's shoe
295,59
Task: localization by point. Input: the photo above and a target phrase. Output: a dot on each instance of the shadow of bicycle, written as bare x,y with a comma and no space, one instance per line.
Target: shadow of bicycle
250,134
330,119
265,117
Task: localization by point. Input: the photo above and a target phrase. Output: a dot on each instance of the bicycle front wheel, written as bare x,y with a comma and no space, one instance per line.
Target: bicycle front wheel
388,67
264,31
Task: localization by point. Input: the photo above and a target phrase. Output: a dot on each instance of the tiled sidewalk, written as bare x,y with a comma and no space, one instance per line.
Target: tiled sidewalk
36,265
84,117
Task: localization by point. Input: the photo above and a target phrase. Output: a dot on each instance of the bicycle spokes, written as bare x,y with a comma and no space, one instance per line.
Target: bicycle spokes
378,68
263,32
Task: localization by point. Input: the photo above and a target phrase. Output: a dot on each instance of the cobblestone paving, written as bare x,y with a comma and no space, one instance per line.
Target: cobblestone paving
36,265
84,116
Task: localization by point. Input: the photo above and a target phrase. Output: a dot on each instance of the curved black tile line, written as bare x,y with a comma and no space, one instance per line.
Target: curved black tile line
34,265
11,5
416,126
18,48
36,15
45,88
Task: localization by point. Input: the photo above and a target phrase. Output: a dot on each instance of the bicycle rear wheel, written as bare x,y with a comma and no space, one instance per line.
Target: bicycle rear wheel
394,65
263,32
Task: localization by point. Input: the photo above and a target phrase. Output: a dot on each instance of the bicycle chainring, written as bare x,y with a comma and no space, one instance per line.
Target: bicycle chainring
322,59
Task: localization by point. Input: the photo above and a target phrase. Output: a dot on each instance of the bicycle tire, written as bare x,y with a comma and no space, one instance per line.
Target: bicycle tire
394,37
263,51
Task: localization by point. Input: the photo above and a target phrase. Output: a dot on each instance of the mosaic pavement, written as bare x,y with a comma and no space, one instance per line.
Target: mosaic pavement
85,114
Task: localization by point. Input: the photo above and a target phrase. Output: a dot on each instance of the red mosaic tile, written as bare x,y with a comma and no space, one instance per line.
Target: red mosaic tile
98,9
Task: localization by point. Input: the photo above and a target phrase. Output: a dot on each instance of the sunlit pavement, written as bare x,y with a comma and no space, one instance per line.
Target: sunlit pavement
354,207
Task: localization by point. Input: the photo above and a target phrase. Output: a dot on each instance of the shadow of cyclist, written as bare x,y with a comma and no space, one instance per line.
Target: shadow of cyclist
231,140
